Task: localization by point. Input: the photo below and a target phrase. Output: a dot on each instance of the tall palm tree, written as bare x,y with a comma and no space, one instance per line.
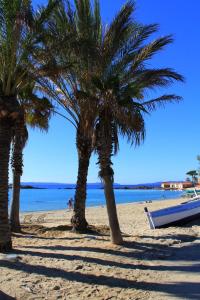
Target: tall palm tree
124,120
20,30
107,88
37,112
76,35
119,83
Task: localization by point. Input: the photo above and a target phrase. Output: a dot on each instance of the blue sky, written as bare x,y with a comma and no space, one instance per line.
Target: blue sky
172,134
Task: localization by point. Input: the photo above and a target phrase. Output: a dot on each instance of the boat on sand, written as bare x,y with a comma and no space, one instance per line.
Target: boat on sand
175,215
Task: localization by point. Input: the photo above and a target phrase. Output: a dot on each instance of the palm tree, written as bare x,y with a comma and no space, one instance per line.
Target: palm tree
118,85
194,176
107,89
20,30
37,112
127,121
19,141
76,35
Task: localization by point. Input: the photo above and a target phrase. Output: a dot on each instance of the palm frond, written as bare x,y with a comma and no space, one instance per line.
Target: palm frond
146,52
150,78
117,33
161,101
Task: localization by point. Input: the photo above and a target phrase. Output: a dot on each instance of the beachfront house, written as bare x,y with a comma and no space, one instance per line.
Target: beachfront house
176,185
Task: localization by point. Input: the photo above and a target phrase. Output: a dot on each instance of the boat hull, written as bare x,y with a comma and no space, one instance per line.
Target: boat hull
180,222
174,216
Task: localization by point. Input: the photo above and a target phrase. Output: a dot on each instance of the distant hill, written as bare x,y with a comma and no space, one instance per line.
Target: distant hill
98,185
55,185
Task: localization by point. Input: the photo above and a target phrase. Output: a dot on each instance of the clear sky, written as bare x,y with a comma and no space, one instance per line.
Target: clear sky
172,134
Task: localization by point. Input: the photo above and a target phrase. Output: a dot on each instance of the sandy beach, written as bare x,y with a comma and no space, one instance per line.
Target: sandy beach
54,263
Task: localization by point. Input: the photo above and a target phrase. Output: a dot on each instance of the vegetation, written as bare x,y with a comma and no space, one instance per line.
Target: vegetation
193,174
99,75
109,89
76,29
37,112
20,30
198,159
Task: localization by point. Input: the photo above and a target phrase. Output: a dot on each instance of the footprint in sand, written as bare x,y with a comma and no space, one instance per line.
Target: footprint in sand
41,218
28,219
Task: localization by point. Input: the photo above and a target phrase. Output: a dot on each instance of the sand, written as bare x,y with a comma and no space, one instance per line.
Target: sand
54,263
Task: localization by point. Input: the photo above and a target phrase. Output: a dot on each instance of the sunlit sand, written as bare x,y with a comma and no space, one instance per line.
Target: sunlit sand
54,263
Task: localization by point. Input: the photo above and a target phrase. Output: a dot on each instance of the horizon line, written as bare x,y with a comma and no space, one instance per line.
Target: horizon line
46,182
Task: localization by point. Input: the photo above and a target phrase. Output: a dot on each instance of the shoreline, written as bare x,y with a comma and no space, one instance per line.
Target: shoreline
98,206
129,214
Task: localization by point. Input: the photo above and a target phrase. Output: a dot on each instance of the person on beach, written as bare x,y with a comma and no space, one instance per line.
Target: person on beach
70,204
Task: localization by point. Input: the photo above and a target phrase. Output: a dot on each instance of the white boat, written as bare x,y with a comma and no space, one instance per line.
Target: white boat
174,215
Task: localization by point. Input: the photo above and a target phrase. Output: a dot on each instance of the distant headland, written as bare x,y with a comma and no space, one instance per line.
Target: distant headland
98,185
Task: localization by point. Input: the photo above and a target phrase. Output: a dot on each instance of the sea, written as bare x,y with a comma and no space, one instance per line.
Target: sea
55,197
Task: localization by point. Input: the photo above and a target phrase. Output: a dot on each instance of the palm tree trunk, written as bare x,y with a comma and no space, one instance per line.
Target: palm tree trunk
115,232
78,220
104,149
15,206
5,141
19,141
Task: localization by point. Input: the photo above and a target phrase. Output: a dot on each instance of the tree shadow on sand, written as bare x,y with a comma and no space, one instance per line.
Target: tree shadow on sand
40,229
139,250
105,261
4,296
169,258
180,289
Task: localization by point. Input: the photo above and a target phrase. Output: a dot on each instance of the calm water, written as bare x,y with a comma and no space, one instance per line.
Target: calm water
53,199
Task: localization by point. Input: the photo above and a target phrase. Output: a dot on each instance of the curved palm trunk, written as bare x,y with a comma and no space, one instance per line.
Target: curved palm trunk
5,142
84,146
19,140
115,232
104,149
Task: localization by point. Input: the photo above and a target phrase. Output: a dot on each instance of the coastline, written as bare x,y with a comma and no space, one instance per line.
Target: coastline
59,216
100,205
36,201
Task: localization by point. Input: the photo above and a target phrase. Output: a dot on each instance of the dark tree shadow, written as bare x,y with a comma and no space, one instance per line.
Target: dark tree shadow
143,251
186,238
26,235
106,262
4,296
136,250
180,289
40,229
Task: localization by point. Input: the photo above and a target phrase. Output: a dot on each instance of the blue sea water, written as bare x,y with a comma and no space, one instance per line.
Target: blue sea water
55,199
